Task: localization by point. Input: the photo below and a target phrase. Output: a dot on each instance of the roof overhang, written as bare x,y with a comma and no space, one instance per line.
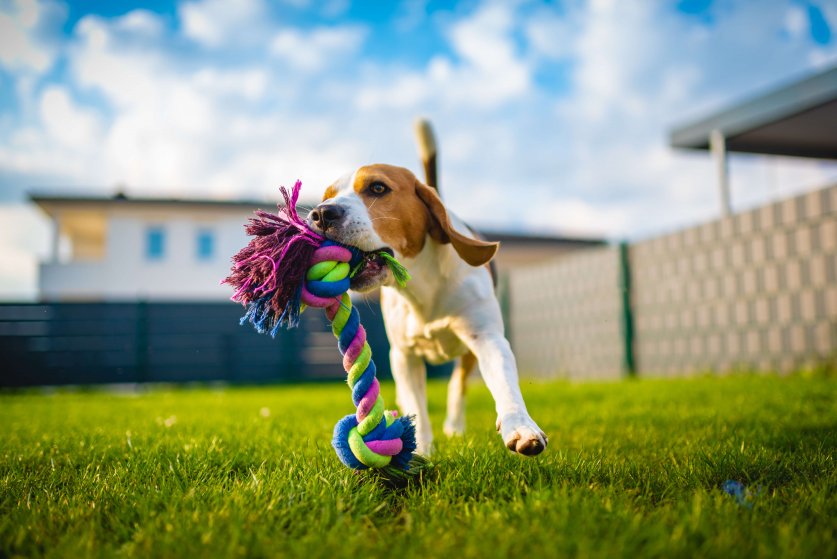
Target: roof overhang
65,205
799,119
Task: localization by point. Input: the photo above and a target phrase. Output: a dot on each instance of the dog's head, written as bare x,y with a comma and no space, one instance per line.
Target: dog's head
386,207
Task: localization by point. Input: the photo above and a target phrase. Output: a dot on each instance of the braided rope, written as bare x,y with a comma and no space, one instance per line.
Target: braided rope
372,437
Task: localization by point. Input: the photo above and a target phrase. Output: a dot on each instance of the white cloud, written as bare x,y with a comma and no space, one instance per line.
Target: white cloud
24,240
250,84
489,71
313,50
216,23
141,22
20,47
575,216
126,77
406,91
796,21
551,34
63,141
483,39
202,129
67,123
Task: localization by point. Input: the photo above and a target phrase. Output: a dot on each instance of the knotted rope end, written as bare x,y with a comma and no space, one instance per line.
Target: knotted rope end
399,272
419,469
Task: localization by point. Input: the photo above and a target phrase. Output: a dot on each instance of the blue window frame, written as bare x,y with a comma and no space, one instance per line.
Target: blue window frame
155,243
205,244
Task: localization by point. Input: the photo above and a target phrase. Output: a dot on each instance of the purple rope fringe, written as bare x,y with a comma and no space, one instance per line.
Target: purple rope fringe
267,274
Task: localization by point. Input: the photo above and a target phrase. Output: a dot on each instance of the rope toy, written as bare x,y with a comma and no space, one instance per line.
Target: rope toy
287,266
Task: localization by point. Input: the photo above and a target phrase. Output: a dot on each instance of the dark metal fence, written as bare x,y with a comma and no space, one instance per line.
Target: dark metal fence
93,343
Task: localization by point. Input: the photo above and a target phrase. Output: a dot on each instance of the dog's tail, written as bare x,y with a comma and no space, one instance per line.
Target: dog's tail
427,151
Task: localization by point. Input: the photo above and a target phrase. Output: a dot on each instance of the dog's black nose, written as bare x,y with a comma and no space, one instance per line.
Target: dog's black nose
327,215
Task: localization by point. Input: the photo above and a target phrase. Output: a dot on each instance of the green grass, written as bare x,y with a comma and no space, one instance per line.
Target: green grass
633,469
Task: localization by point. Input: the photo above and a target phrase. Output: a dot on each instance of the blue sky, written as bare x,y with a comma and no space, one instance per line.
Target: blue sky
551,116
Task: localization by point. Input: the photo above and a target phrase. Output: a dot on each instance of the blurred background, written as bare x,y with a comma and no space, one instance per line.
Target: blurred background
689,141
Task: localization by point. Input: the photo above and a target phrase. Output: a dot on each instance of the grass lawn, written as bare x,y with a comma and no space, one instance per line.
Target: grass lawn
633,469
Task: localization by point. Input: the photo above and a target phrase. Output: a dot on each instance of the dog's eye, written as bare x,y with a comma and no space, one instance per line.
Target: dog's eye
378,188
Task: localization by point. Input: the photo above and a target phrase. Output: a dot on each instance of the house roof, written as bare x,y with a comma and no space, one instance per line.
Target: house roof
798,119
508,238
42,198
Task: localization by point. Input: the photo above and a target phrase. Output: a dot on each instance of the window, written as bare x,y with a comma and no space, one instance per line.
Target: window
155,243
205,244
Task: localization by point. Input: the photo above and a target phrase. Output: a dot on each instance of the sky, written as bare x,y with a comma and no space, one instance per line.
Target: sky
551,117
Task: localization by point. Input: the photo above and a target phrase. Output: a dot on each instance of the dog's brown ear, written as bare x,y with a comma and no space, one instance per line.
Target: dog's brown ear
473,251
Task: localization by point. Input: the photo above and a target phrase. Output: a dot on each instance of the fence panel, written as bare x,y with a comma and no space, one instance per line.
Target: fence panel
92,343
754,291
566,318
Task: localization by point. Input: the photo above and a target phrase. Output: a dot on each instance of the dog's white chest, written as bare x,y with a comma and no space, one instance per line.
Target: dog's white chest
434,341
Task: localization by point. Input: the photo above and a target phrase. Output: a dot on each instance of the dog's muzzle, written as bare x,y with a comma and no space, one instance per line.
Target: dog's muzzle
327,215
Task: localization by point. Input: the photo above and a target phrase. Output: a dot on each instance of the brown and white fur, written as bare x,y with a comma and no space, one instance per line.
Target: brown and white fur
448,310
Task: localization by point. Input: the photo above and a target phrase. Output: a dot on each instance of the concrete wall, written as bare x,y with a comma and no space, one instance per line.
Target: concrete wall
566,316
754,291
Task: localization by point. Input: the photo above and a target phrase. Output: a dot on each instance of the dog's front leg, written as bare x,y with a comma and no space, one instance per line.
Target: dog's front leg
498,367
410,374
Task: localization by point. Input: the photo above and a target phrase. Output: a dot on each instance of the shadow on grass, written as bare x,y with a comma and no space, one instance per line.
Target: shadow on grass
395,480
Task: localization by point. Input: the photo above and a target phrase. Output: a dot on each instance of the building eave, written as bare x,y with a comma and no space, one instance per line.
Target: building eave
798,119
41,199
508,238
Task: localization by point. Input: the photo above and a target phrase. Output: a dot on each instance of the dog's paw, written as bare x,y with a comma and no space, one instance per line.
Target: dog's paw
521,434
454,427
425,448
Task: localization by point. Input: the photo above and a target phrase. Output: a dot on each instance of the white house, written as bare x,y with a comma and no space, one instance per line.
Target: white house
126,249
119,248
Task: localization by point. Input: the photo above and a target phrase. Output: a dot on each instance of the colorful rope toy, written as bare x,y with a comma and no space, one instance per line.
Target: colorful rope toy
286,267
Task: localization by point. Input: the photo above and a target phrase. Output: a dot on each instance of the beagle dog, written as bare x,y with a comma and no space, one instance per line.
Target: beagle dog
447,310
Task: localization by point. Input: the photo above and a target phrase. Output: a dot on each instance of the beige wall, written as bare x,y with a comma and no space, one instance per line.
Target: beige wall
566,316
513,255
754,291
